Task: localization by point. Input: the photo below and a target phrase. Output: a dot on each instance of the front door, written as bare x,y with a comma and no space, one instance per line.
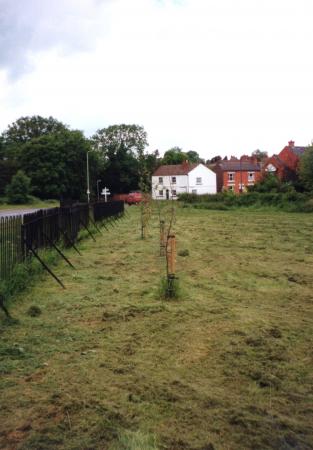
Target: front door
167,194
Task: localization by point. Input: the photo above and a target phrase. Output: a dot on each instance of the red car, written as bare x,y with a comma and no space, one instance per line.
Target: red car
133,198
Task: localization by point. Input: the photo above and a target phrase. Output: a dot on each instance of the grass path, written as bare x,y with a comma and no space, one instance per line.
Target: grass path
108,365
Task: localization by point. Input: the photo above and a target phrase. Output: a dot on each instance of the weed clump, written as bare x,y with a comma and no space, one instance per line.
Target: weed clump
169,288
275,332
136,440
184,252
34,311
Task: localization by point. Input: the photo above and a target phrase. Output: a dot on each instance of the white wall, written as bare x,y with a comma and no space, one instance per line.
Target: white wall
180,186
186,183
208,179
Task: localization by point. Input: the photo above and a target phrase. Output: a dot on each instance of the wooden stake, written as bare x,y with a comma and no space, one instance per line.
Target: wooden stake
172,254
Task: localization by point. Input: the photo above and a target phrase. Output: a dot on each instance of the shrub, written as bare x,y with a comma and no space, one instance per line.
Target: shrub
287,199
19,189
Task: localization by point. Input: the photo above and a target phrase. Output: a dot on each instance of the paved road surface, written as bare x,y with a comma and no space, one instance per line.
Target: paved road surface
16,212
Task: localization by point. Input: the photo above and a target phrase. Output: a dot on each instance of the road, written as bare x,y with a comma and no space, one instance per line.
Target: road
16,212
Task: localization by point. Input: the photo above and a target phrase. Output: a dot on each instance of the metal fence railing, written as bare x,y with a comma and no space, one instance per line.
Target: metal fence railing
11,249
23,236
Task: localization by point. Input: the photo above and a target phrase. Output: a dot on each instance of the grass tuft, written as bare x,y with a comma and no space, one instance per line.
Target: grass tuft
169,288
135,440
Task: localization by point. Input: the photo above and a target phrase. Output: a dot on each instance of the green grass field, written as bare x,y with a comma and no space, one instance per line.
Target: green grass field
109,365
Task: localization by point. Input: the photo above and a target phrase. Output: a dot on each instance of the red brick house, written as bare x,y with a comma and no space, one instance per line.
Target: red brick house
285,164
237,174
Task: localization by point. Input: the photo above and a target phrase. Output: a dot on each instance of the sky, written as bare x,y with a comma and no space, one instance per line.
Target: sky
221,77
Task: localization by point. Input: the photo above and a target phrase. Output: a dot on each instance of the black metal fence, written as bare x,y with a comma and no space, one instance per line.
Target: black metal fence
11,249
23,236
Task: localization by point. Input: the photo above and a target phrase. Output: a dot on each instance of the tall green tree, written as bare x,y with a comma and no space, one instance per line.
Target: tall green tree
193,157
122,148
214,160
174,155
260,155
56,164
29,127
306,168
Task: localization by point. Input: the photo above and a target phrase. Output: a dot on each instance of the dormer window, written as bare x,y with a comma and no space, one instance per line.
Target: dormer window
270,168
250,176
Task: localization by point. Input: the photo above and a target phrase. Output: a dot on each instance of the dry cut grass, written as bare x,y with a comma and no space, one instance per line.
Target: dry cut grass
106,364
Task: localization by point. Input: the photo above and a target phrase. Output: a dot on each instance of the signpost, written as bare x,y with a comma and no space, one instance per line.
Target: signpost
105,192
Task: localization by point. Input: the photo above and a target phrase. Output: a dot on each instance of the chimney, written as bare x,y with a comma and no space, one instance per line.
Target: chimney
185,164
291,144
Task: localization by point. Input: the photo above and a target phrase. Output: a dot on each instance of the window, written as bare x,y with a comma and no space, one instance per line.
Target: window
173,193
194,191
173,180
161,180
250,176
199,180
231,176
161,193
270,168
231,188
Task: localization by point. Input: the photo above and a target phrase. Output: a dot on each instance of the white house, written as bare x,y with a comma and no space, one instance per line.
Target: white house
169,181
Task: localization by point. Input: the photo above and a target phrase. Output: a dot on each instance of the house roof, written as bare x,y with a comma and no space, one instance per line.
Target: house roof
275,161
298,150
174,169
239,166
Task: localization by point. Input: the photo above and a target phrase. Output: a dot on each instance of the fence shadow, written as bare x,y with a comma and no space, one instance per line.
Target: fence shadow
22,236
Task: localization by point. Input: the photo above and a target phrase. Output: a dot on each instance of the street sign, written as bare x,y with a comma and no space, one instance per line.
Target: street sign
105,192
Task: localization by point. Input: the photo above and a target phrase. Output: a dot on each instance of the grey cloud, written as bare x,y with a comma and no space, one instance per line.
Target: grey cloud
36,25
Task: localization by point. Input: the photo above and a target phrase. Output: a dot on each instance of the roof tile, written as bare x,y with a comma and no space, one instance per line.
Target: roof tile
174,169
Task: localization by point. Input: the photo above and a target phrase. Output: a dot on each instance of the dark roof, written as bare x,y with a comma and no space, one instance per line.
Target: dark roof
174,169
237,166
298,150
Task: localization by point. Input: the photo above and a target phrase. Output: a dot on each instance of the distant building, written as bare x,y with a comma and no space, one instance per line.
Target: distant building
285,164
170,180
237,174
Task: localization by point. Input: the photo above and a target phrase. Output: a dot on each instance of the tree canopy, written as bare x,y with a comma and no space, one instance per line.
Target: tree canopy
24,130
306,168
174,155
132,138
193,157
27,128
260,155
122,148
56,164
214,160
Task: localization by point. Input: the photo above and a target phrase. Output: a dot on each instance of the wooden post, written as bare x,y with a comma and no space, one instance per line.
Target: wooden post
162,238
